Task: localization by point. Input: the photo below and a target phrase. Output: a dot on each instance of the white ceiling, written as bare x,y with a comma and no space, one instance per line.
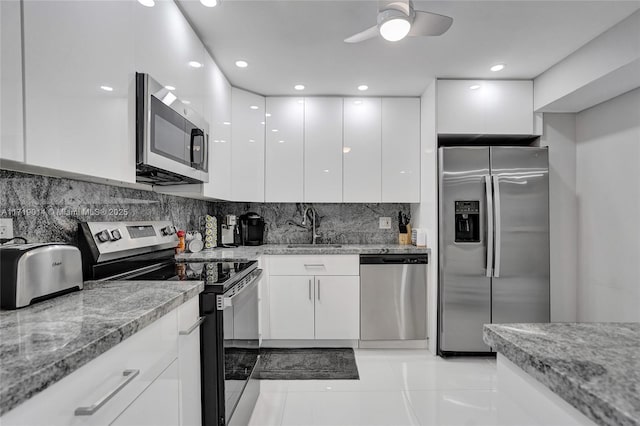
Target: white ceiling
289,42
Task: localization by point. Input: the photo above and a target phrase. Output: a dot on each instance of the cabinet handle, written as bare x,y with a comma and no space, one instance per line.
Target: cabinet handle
318,290
91,409
314,265
193,327
309,289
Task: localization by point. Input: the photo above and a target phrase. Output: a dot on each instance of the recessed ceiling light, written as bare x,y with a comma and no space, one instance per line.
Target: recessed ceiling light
363,87
209,3
107,88
280,141
226,123
262,122
497,67
186,102
267,115
242,64
299,87
195,64
357,102
474,87
274,130
346,149
223,141
254,107
147,3
252,140
326,171
169,87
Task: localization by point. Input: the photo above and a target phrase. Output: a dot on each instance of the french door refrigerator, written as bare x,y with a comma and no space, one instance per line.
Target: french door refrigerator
494,242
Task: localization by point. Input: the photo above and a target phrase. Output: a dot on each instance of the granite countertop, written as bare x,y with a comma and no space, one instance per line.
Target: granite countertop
244,253
595,367
45,342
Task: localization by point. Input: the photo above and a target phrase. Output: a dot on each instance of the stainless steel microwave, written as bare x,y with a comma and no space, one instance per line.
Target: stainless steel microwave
172,140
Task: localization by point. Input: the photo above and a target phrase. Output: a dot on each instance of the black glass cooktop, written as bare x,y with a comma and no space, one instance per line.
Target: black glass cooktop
211,273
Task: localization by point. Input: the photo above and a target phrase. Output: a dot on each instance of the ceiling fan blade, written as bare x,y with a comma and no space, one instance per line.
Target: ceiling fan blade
364,35
429,24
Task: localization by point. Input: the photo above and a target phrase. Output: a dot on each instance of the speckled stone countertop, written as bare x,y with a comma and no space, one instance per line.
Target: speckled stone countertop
593,366
45,342
244,253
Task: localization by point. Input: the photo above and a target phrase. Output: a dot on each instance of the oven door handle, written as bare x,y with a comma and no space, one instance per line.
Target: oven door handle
227,301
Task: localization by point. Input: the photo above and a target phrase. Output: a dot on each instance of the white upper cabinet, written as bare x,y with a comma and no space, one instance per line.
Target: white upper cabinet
323,150
492,107
166,47
284,149
247,148
11,136
78,71
400,150
362,150
218,114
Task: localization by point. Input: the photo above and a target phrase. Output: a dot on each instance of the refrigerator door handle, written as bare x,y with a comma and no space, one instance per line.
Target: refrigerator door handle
489,199
498,239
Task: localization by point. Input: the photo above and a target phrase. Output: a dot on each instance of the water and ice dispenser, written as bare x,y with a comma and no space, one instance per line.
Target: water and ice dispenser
467,222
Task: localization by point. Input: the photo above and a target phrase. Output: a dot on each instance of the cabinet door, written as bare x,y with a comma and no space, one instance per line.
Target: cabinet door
11,136
337,311
157,405
362,146
291,307
401,150
284,149
189,363
72,124
218,114
165,45
492,107
247,148
323,150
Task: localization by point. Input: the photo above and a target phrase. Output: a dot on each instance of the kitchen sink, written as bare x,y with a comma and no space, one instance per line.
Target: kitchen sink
314,245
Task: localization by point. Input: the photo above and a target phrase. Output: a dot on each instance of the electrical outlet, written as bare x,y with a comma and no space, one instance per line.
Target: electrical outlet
6,228
385,223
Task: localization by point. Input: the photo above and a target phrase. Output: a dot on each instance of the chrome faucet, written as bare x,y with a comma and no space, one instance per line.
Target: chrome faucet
314,236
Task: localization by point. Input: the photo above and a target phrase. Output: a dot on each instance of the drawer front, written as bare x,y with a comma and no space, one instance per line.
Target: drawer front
188,314
144,356
314,265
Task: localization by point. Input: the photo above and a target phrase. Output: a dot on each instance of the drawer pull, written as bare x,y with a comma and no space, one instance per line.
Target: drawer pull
193,327
314,265
91,409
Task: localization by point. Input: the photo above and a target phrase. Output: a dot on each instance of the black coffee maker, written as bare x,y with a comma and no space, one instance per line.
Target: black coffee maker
251,229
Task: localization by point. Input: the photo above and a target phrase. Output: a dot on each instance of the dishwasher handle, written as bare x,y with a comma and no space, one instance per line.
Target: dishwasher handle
394,259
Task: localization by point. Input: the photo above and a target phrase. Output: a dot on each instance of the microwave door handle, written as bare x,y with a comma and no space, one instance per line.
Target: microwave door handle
196,133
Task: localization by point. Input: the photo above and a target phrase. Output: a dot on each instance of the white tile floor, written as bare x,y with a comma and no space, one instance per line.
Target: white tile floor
396,387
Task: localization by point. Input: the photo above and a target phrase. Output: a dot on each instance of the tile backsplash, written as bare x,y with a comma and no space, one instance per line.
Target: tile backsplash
48,209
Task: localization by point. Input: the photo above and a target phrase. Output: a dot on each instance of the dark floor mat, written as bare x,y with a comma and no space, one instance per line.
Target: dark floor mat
308,364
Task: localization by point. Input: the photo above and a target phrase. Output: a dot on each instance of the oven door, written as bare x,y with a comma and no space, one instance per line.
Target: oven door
241,351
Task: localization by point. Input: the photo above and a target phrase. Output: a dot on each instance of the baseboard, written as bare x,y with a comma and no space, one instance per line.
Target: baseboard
393,344
273,343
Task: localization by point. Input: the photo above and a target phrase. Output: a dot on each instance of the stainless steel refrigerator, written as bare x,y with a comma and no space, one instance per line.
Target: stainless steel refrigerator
494,242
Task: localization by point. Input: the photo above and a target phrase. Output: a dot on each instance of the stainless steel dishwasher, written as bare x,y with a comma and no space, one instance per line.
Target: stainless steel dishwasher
393,297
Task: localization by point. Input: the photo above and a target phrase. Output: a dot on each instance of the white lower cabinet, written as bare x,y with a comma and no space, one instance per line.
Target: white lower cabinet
158,405
140,381
314,307
189,363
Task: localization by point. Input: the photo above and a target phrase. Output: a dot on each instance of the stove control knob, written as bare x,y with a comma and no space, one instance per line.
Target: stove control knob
168,230
116,235
103,236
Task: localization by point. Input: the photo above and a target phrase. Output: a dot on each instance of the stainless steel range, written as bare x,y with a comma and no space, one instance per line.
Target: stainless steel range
228,306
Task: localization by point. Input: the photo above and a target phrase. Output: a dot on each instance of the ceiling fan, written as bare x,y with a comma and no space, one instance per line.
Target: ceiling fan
398,19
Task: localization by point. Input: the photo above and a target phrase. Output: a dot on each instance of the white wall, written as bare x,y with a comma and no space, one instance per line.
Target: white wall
559,135
425,214
608,188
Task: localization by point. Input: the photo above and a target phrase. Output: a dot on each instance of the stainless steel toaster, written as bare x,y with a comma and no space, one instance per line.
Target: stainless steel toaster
33,272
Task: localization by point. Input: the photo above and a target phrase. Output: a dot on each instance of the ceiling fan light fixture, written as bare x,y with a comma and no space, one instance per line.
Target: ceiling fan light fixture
393,24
